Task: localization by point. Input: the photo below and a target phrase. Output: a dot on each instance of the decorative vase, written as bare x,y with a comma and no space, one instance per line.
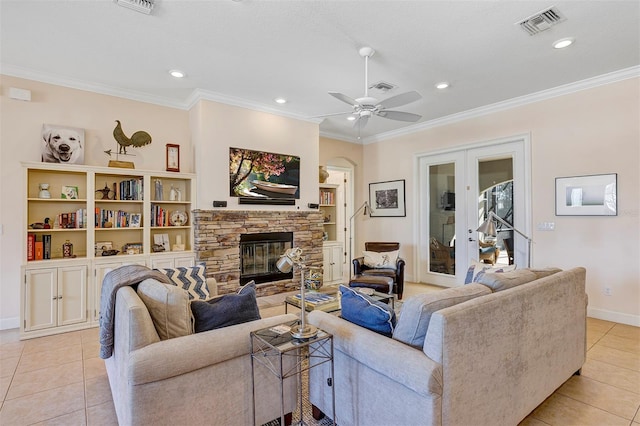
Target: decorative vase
44,191
323,174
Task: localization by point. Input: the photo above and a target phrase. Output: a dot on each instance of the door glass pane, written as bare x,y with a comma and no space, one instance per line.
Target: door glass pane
442,208
496,195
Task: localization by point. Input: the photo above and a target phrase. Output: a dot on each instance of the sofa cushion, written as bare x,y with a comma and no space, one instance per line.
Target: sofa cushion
505,280
417,310
190,278
386,259
226,310
362,310
168,307
477,269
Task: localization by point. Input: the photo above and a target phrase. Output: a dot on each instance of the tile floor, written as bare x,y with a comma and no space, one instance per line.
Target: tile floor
59,380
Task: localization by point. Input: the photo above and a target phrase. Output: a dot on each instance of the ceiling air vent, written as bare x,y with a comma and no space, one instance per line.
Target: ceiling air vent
142,6
383,86
541,21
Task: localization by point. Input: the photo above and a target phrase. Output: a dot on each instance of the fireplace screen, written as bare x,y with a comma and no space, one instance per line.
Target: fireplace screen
259,254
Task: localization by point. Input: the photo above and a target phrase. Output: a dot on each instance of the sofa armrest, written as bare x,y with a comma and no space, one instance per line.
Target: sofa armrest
173,357
388,357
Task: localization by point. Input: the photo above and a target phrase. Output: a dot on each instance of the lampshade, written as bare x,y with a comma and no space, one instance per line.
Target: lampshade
488,227
284,264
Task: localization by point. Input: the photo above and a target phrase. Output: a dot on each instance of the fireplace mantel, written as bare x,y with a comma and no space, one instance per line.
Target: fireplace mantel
217,242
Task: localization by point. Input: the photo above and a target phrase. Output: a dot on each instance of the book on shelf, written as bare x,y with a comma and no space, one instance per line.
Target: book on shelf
46,243
39,250
31,246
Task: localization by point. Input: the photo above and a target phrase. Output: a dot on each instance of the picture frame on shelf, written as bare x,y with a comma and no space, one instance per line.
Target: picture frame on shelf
69,192
102,246
134,220
162,240
387,199
132,248
173,157
591,195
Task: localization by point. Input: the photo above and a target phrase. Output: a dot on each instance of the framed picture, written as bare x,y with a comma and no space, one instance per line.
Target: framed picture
60,144
594,195
387,199
134,220
102,246
173,157
69,192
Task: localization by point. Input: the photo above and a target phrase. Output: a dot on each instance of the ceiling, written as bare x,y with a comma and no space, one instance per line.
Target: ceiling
250,52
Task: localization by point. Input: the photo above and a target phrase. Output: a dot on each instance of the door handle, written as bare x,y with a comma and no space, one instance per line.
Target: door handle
471,239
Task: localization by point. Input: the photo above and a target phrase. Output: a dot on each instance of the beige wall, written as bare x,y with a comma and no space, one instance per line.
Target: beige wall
589,132
216,127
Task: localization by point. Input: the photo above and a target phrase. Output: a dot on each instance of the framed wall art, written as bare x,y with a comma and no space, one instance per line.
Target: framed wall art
593,195
387,199
61,144
173,157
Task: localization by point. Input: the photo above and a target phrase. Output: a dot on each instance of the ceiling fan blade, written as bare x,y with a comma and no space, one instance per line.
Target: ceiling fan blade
400,116
361,122
332,114
344,98
401,99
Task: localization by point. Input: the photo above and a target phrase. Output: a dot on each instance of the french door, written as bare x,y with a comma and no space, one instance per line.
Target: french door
456,191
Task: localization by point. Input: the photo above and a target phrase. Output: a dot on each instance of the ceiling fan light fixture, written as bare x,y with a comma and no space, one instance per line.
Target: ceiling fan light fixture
177,73
280,100
442,85
563,42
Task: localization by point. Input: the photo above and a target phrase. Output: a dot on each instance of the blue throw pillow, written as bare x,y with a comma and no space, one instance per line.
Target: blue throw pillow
226,310
362,310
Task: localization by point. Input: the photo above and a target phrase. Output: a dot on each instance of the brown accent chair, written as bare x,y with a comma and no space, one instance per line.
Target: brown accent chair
441,259
362,270
489,252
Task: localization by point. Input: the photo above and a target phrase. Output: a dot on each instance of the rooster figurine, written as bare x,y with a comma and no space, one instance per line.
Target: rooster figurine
138,139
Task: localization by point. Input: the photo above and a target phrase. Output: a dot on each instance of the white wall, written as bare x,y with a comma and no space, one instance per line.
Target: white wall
589,132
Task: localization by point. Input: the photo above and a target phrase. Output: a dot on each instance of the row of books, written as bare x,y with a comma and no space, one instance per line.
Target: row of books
38,250
159,216
130,189
327,197
116,219
72,220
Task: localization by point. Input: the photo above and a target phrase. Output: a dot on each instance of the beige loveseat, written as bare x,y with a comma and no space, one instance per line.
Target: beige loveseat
489,360
197,379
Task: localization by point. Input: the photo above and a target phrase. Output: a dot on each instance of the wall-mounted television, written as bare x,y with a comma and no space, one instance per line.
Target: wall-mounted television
263,176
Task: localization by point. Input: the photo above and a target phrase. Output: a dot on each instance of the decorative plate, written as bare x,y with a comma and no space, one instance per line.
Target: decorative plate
178,218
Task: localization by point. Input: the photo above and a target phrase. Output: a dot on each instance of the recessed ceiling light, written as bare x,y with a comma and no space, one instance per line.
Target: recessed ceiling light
442,85
281,100
563,42
351,117
177,73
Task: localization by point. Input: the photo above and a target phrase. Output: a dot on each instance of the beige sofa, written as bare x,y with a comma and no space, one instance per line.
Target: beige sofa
489,360
202,378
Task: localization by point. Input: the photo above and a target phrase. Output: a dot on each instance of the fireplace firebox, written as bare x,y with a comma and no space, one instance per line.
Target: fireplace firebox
259,254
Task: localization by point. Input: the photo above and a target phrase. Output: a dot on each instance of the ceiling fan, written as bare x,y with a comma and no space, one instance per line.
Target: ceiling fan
366,106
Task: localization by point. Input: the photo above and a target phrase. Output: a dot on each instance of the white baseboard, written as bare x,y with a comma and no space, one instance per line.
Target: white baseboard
603,314
9,323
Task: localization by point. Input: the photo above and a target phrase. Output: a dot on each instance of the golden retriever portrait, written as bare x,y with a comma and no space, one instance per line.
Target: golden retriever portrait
62,144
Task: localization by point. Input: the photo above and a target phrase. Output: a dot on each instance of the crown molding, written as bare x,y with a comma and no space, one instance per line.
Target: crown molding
339,137
205,95
102,89
589,83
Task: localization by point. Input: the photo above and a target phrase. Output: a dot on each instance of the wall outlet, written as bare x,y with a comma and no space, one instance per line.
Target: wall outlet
546,226
607,291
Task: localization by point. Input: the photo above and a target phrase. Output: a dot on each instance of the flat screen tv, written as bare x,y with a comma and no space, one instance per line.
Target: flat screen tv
263,175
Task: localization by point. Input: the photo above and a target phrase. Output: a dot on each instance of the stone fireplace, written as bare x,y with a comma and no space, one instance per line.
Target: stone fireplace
218,237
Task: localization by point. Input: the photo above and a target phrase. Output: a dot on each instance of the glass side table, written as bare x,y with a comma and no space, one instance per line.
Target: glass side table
270,346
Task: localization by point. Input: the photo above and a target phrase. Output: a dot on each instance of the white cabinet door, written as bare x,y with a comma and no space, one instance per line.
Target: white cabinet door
176,261
41,297
185,261
162,263
332,259
72,295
